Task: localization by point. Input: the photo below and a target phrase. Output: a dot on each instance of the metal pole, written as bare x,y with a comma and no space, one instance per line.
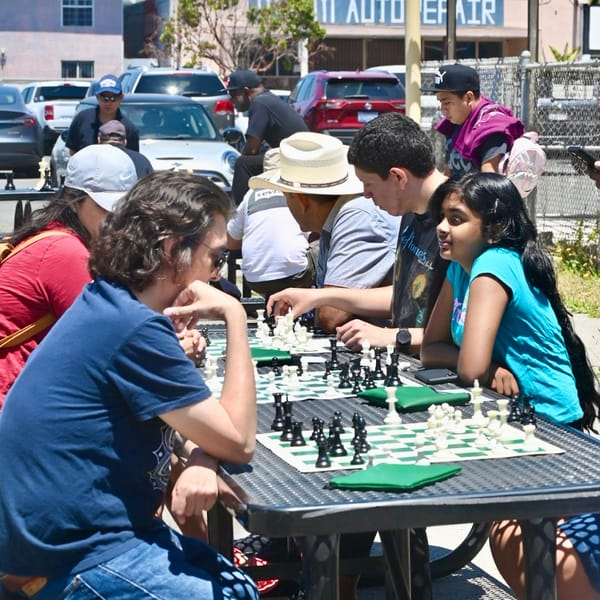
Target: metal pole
412,52
451,30
532,29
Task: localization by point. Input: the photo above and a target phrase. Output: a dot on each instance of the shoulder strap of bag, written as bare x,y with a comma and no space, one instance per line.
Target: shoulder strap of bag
27,332
34,238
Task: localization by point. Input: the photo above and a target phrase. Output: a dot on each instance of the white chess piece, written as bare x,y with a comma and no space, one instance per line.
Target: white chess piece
478,416
392,417
529,443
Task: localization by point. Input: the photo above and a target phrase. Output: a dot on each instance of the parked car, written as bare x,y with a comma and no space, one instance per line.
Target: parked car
54,103
21,137
430,107
341,102
175,133
201,85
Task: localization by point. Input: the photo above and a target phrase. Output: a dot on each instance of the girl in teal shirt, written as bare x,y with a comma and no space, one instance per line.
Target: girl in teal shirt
499,318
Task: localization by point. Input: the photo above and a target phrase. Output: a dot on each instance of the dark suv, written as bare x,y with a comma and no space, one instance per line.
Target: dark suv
341,102
204,86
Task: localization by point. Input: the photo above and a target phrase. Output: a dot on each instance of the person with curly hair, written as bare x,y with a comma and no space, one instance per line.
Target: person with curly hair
89,426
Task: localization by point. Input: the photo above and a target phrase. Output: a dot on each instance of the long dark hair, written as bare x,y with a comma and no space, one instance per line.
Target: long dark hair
60,208
129,247
506,223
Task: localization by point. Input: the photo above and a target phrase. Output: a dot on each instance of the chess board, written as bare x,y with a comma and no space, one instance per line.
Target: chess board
396,443
310,385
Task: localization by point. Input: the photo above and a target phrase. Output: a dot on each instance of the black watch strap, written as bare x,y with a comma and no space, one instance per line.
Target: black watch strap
403,339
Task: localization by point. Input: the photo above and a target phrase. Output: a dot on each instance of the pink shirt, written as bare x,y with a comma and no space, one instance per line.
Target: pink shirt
44,277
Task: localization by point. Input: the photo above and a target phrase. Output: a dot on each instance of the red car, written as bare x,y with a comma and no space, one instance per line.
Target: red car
341,102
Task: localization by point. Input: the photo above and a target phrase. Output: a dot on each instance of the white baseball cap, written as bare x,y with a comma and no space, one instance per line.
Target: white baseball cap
104,172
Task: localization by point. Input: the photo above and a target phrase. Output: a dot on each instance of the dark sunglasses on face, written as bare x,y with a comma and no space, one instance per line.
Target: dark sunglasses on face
108,98
220,260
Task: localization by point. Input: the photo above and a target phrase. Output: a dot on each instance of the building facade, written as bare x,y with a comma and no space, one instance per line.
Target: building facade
55,39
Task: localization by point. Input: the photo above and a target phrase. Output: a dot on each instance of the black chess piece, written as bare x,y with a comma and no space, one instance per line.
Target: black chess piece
335,364
356,381
297,362
378,372
357,459
205,335
362,445
277,424
297,437
323,460
344,380
287,431
317,428
515,410
10,184
275,366
327,371
392,379
528,412
47,187
368,381
337,420
337,446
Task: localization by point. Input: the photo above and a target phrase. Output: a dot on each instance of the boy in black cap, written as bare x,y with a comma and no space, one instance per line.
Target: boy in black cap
269,120
478,131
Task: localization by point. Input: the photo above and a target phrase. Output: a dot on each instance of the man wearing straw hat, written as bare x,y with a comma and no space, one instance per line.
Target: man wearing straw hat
357,239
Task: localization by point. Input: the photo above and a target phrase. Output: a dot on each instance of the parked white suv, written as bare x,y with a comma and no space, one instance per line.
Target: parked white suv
54,104
430,107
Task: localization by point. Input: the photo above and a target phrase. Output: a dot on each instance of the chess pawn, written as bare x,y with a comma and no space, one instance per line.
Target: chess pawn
392,417
529,443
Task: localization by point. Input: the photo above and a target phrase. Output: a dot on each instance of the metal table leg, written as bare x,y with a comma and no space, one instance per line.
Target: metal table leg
320,566
396,553
539,545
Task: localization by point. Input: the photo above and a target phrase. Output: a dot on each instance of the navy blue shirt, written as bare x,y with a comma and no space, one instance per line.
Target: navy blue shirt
85,125
84,455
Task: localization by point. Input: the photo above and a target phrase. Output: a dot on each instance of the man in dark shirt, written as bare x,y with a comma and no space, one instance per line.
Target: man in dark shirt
270,120
85,125
114,133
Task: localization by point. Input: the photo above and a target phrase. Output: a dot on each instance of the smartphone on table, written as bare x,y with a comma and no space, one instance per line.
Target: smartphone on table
581,153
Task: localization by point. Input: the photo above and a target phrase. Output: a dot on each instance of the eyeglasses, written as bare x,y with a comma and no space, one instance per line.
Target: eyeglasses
108,98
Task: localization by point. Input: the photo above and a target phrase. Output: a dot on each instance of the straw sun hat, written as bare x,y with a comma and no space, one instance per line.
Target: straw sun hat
311,163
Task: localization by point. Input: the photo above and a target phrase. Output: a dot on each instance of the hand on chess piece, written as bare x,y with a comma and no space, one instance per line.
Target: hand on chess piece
503,381
296,300
353,333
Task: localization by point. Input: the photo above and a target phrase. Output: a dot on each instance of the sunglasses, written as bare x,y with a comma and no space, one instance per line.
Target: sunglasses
108,98
219,259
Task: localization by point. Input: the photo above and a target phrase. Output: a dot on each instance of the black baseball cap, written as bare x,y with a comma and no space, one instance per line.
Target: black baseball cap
242,78
455,78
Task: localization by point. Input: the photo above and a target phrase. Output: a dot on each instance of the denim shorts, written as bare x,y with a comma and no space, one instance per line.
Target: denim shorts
164,566
583,531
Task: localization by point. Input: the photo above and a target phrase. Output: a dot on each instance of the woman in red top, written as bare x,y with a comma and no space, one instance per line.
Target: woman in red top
46,276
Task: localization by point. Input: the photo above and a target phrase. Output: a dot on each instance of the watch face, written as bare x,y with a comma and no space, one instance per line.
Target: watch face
403,337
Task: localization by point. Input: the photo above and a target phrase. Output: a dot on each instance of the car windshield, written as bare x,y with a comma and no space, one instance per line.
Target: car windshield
184,84
171,121
10,98
60,92
371,89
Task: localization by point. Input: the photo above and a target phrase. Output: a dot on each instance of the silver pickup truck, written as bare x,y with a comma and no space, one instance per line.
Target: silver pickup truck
54,104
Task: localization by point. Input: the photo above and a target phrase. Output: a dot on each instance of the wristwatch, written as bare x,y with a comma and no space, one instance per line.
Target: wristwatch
403,340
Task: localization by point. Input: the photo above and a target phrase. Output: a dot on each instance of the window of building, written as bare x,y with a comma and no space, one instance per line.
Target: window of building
72,69
77,13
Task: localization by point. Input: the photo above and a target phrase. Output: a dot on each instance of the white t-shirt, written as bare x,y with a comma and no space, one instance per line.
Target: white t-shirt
273,247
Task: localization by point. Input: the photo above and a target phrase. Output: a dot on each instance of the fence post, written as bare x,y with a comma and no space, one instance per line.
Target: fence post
524,60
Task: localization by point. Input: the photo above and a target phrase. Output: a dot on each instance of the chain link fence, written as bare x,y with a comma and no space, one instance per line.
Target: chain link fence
561,102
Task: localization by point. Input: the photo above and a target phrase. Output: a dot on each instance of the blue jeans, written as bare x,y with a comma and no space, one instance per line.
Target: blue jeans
165,566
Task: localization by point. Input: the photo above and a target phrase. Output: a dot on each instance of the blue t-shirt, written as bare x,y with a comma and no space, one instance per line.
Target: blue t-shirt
84,458
529,342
